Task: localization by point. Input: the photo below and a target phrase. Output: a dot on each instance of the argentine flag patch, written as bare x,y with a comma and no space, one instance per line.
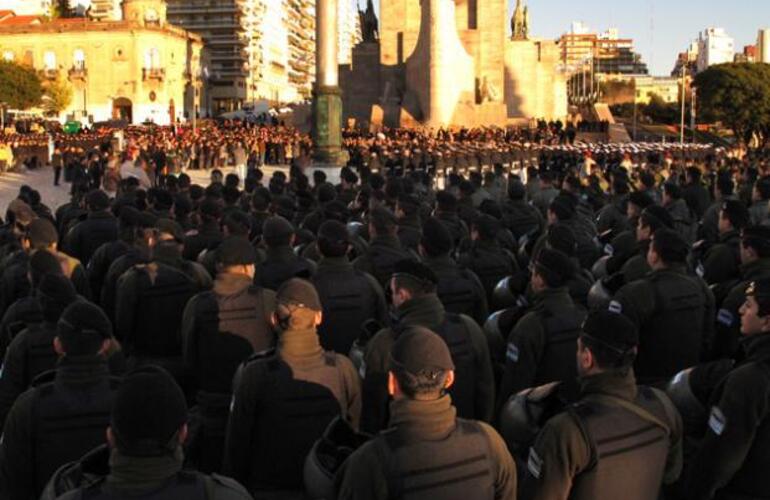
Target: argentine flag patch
512,354
615,307
534,464
725,317
717,421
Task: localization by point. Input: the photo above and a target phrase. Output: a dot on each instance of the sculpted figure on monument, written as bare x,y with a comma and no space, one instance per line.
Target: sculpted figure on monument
370,30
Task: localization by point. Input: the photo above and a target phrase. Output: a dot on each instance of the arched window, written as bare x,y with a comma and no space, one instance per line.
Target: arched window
79,59
49,60
8,55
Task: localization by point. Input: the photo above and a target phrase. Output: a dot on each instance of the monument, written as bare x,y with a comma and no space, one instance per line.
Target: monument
439,63
327,95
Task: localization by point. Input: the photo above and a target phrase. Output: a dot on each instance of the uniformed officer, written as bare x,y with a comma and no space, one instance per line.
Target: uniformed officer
460,290
349,297
486,257
447,212
385,249
722,261
64,415
619,440
413,293
99,227
755,265
673,311
427,452
731,463
283,400
31,351
520,217
540,347
280,262
221,328
409,223
147,428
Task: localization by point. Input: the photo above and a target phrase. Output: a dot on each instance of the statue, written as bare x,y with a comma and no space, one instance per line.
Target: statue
370,30
520,22
487,91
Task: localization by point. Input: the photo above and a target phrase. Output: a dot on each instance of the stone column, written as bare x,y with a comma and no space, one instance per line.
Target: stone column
327,96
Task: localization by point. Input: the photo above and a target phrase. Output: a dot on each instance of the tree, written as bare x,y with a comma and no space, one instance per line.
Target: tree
57,95
20,86
738,96
659,111
62,9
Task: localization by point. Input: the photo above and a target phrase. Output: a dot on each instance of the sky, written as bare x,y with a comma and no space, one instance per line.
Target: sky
660,28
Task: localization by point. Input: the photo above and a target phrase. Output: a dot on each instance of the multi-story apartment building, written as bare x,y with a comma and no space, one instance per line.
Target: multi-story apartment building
608,53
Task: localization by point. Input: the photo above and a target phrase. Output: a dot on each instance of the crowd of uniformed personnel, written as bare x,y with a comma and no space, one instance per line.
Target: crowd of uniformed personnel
467,316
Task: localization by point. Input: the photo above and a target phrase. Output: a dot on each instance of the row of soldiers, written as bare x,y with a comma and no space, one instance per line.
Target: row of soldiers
492,339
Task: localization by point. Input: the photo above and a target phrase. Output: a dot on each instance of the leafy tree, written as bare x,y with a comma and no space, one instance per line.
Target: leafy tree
659,111
57,95
20,86
738,96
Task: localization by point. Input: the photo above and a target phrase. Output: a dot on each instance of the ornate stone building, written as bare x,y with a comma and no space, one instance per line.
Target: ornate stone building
140,69
452,62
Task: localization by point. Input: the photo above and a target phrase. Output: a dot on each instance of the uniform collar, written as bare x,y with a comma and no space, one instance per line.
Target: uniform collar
231,283
612,383
299,344
757,347
423,420
424,311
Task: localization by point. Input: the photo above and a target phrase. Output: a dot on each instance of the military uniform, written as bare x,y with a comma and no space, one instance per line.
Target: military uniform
383,254
428,453
722,261
617,441
281,264
473,394
541,347
87,236
349,297
728,321
732,461
282,403
674,314
460,290
491,263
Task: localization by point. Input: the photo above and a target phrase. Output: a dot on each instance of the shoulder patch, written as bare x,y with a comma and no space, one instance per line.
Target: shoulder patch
534,464
700,270
512,353
609,250
717,421
615,307
725,317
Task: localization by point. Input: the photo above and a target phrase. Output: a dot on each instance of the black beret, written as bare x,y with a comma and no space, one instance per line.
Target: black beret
614,330
97,200
211,209
516,190
43,262
756,233
640,199
149,409
487,227
658,217
561,237
326,193
672,190
759,289
418,351
737,213
333,231
163,200
382,217
81,325
670,245
236,251
446,201
57,288
299,293
415,270
554,264
276,228
563,207
436,238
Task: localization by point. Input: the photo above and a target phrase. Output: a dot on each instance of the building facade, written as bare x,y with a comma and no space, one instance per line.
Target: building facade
28,7
106,10
607,52
763,46
667,88
140,69
715,46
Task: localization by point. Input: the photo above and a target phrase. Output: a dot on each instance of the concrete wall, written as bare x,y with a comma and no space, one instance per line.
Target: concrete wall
533,86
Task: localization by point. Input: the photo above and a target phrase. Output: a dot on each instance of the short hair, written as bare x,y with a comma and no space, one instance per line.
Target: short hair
761,246
414,286
608,357
237,223
670,246
424,385
647,179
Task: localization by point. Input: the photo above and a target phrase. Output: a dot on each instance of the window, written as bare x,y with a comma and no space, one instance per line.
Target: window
152,58
79,59
8,55
49,60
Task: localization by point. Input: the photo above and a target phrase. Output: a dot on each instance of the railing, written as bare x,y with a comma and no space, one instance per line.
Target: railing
153,74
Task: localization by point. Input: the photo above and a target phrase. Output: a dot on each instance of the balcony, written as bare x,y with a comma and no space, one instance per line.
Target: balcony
153,74
78,73
49,73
